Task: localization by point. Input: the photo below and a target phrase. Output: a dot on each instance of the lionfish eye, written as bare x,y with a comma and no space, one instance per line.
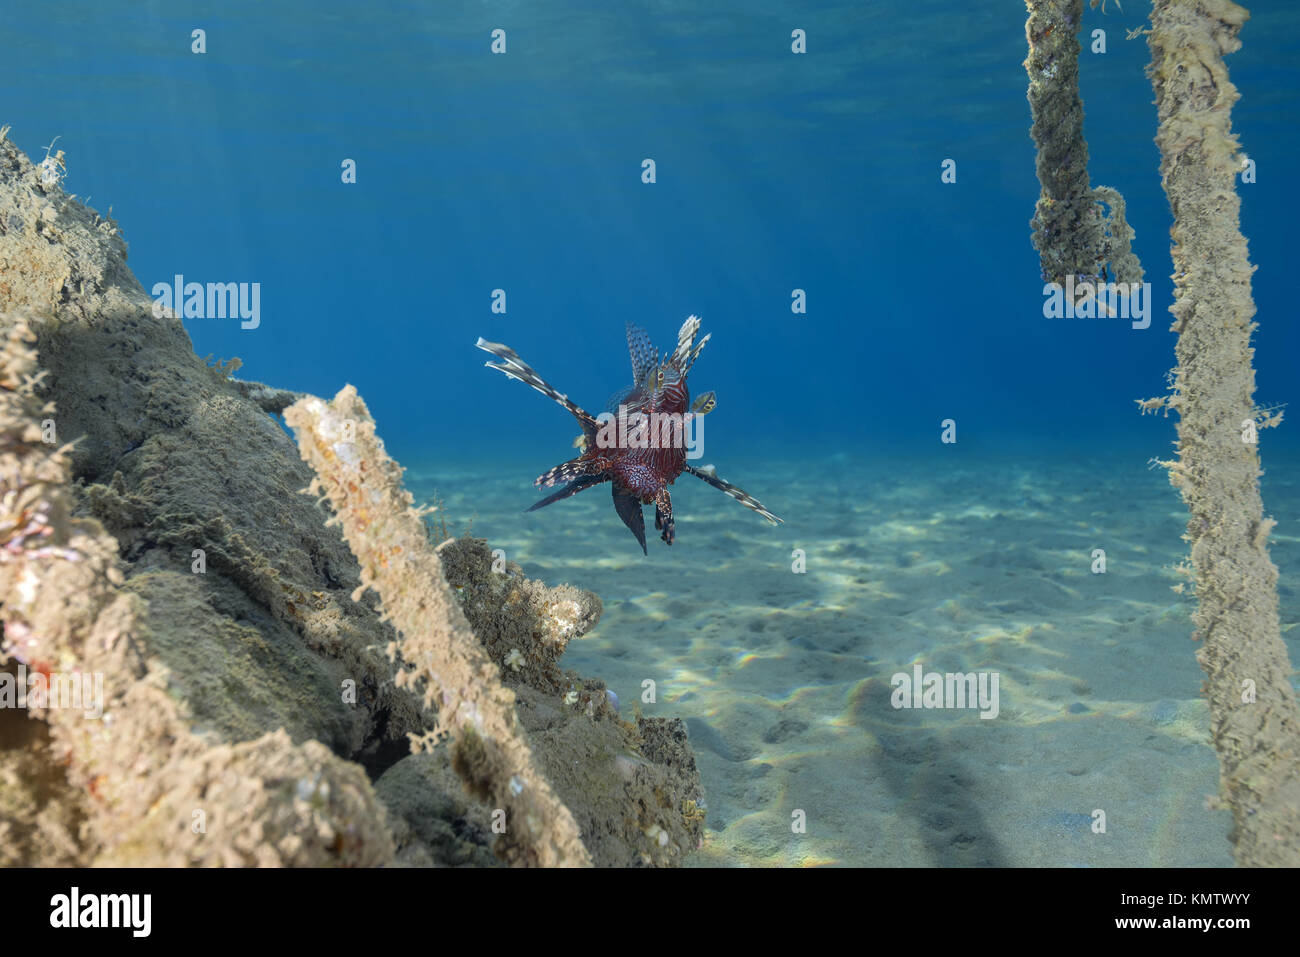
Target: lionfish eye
659,378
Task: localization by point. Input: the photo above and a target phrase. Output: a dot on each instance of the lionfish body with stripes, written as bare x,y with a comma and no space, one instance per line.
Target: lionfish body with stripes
614,446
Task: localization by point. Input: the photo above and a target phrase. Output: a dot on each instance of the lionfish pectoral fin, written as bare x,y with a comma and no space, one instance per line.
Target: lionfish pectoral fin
573,488
739,494
704,403
564,472
628,507
517,368
664,516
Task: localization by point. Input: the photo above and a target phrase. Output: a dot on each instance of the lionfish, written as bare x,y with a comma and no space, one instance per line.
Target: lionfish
640,472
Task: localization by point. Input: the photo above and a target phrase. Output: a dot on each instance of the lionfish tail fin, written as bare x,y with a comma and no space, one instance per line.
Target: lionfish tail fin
517,368
739,494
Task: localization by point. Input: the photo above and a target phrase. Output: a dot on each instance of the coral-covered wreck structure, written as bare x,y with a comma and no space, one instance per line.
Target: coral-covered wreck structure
268,694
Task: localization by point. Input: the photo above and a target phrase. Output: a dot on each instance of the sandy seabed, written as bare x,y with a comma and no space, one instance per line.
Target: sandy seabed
784,679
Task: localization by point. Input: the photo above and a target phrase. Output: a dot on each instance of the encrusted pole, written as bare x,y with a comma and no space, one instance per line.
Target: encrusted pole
437,647
1253,715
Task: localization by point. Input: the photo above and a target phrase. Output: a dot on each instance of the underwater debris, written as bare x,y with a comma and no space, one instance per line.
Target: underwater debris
1077,230
53,168
268,398
186,727
474,709
523,624
483,645
135,773
223,368
1256,732
572,722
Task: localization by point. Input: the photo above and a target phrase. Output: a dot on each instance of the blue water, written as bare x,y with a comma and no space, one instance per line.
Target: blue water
522,172
775,172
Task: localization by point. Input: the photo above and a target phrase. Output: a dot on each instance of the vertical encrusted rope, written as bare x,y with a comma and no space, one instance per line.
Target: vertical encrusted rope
437,648
1254,719
1071,234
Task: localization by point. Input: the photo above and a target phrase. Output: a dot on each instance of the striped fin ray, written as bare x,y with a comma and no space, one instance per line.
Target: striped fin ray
517,368
695,354
573,488
739,494
564,472
685,337
642,352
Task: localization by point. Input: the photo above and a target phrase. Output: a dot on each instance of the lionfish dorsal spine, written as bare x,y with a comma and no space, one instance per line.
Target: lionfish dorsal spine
685,337
642,352
695,353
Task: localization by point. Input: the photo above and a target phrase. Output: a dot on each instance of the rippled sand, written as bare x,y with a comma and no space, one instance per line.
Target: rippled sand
983,566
